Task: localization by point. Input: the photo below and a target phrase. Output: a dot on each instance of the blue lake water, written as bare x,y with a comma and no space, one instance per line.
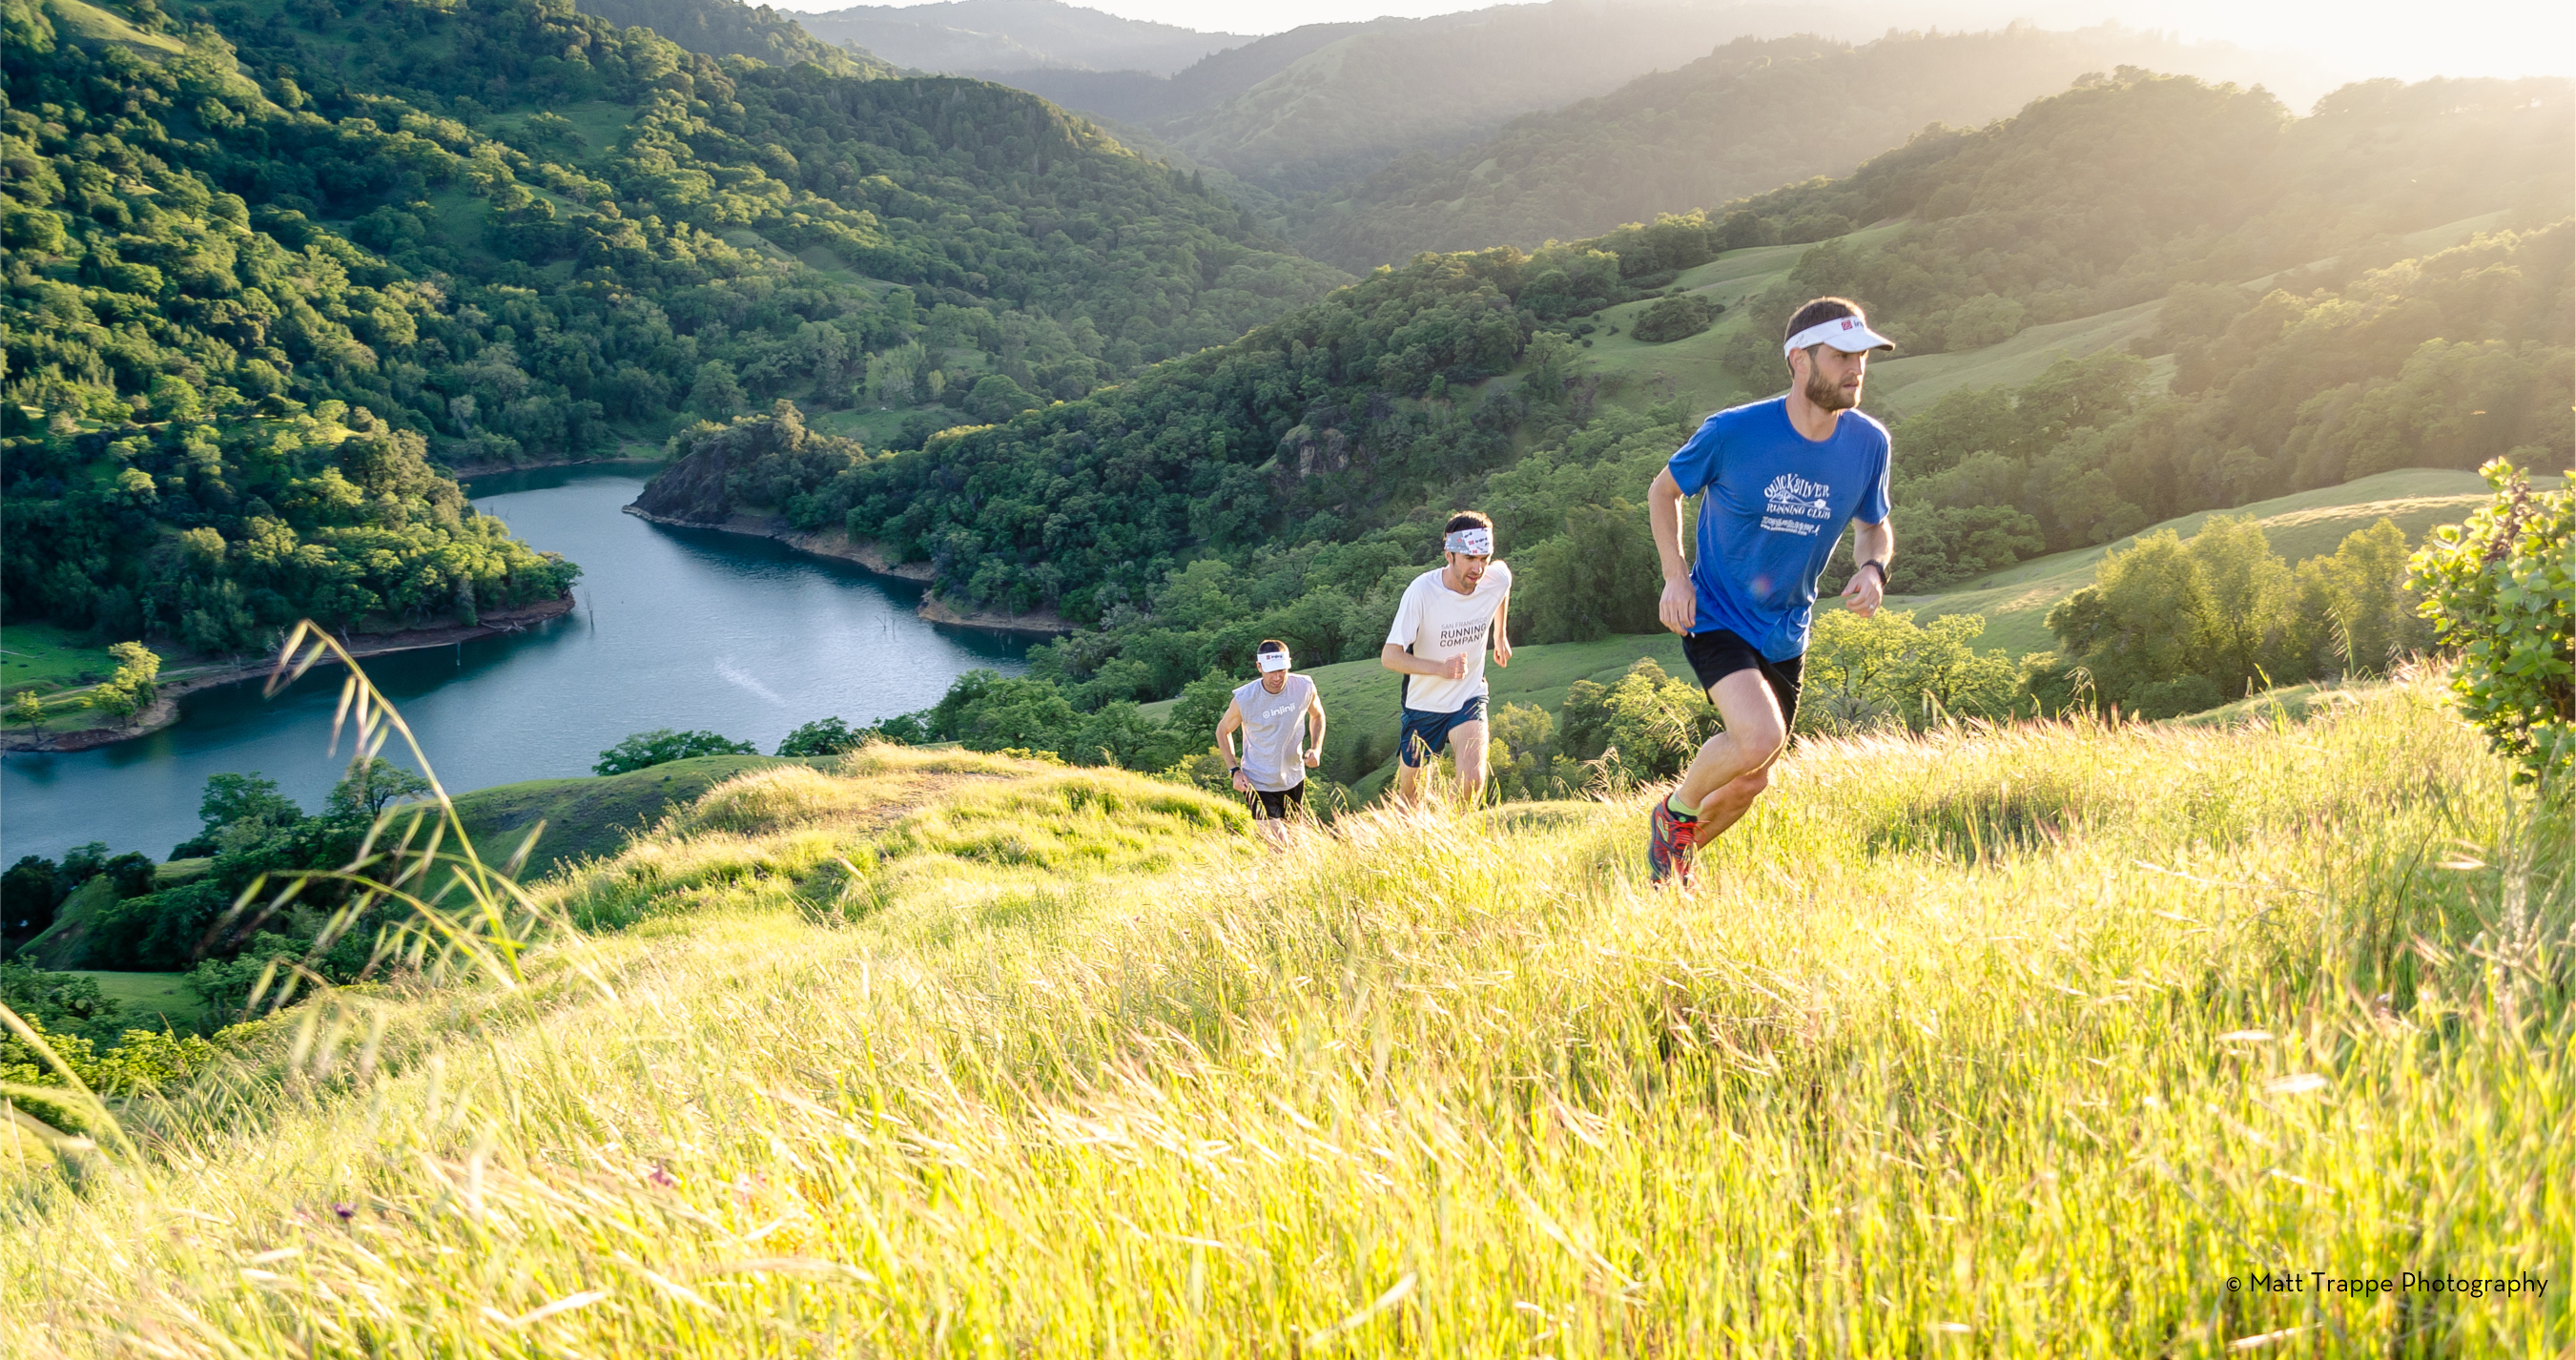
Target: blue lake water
683,628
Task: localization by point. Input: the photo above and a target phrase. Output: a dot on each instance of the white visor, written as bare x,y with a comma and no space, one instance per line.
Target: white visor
1272,661
1471,542
1850,334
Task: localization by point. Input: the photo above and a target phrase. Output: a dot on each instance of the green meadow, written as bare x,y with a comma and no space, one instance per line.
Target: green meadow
2032,1042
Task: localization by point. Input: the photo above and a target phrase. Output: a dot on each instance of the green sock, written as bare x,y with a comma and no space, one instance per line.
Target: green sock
1680,808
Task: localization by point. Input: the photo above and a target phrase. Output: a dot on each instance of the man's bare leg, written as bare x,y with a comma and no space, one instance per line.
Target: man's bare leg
1467,749
1742,754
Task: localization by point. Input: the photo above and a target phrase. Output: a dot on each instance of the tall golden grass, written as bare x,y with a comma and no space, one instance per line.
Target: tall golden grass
2040,1041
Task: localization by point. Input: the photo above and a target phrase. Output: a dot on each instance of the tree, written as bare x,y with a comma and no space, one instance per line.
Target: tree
1598,578
821,737
131,689
1676,318
2359,615
1859,670
29,892
643,750
28,709
2498,591
368,789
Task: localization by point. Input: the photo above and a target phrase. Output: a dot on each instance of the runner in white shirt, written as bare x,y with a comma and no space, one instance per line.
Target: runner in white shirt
1273,712
1438,646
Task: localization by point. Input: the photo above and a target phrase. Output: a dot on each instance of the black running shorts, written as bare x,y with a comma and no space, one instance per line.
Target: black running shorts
1277,806
1718,653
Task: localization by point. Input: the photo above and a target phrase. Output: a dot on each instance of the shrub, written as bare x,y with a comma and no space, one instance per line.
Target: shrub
821,737
644,750
2497,590
1676,318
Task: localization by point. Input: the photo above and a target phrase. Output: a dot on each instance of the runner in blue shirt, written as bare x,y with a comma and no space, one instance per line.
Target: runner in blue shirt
1782,478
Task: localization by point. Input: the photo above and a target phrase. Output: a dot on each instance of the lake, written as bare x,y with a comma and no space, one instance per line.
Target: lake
683,628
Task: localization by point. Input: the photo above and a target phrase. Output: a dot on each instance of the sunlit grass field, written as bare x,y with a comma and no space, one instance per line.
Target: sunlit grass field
2021,1043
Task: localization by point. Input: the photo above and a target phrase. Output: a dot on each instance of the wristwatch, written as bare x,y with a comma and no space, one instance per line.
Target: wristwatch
1882,571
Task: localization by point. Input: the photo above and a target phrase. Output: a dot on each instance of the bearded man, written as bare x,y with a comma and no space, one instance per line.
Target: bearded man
1782,477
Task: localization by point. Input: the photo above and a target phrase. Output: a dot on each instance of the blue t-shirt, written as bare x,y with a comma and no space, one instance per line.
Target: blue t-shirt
1777,503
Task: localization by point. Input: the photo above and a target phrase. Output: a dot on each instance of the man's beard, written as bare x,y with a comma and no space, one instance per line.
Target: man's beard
1828,395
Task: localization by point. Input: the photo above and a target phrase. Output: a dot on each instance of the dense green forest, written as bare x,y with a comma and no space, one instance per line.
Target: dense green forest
270,264
1784,110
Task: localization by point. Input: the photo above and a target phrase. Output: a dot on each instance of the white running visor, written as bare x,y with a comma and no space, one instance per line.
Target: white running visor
1471,542
1850,334
1272,661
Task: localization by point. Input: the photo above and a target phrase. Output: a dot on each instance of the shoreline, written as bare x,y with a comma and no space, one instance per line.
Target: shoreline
165,705
473,470
871,557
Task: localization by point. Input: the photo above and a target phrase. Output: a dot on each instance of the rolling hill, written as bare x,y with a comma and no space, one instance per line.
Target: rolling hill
1757,113
979,37
923,1047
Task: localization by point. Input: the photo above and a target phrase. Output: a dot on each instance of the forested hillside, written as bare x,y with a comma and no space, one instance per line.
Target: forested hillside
729,28
501,232
1395,86
1285,485
1755,114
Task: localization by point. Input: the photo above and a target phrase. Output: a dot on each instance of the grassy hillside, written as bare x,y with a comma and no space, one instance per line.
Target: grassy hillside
150,1001
945,1052
590,818
2016,601
1695,370
1361,697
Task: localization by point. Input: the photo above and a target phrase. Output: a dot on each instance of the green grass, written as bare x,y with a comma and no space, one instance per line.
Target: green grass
875,429
599,124
48,658
1638,373
2022,1043
150,1000
1905,384
98,25
589,818
1641,373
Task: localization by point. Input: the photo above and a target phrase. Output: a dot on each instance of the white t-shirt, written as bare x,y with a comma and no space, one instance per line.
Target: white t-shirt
1438,623
1274,732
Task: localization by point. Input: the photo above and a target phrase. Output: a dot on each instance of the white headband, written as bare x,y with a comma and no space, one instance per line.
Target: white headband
1272,661
1477,542
1850,334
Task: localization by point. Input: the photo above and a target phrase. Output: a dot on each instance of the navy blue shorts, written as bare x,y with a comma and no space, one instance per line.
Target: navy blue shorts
1425,735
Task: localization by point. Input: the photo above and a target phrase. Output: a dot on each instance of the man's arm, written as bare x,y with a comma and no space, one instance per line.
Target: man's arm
1225,729
1871,543
1679,607
1395,658
1503,632
1315,728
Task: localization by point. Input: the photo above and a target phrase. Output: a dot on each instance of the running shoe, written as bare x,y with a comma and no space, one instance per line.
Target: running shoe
1669,839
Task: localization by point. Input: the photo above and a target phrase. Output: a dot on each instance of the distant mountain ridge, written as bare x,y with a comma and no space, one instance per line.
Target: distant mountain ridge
1143,97
987,36
1749,117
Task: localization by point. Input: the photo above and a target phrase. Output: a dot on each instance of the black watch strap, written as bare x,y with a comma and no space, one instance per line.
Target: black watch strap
1881,568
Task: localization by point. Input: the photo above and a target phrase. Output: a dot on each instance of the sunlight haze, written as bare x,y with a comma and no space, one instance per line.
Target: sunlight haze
2520,37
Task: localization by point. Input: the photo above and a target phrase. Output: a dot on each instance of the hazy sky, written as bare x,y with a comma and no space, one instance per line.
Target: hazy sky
2355,37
